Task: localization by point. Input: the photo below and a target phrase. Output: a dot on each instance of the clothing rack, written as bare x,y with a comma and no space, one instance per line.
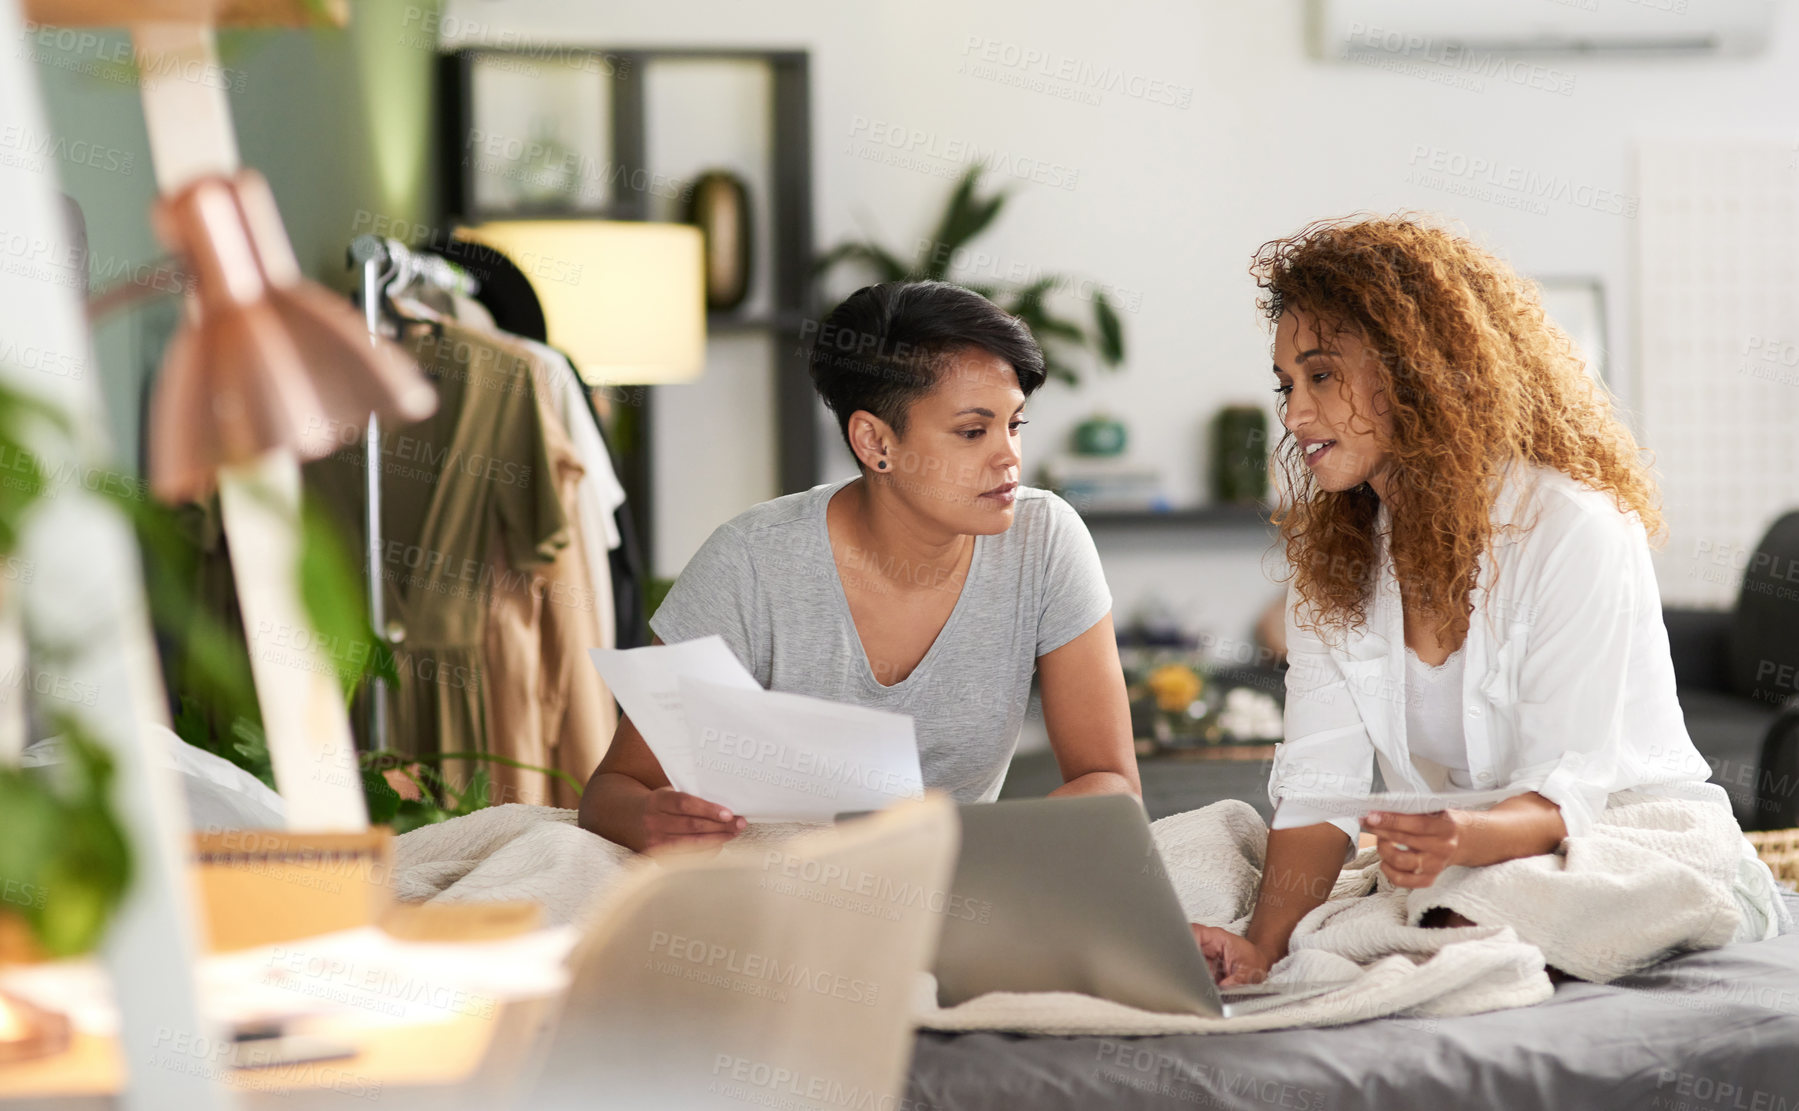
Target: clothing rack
388,265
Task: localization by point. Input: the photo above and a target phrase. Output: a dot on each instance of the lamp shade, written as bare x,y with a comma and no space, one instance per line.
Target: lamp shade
625,300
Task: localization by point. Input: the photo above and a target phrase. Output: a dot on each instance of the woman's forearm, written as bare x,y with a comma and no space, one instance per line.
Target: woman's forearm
1087,714
1528,825
1297,876
612,806
1097,783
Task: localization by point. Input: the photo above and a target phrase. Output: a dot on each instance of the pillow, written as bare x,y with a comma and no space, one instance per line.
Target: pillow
220,795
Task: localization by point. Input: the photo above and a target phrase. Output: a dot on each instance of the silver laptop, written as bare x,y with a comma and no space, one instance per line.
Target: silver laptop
1071,895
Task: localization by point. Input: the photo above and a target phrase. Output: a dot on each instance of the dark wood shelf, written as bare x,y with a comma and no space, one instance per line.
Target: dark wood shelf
1199,516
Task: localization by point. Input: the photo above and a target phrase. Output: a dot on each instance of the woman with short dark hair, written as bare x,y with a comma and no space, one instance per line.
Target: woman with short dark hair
933,584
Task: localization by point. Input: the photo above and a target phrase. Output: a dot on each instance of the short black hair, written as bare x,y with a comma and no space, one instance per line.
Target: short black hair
885,347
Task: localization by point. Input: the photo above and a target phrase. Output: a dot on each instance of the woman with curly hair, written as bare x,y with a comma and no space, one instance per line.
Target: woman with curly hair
1472,605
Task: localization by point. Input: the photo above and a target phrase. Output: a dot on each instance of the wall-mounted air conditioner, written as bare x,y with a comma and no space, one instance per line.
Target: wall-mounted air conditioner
1421,28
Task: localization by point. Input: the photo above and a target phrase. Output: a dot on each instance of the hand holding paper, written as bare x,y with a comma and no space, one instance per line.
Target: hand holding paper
775,756
766,755
646,682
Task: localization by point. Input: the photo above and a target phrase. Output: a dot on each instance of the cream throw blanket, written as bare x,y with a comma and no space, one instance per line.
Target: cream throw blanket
1654,876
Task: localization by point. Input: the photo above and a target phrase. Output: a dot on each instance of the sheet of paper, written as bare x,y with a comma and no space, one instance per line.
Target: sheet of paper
362,974
646,682
1396,802
773,756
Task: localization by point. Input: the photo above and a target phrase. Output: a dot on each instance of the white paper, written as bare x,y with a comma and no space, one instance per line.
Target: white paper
357,977
646,682
769,755
1394,802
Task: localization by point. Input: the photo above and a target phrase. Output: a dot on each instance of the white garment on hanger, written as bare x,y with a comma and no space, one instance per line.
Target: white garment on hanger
600,489
598,495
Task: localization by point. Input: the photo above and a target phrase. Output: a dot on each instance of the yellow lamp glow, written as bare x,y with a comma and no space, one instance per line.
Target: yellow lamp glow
625,300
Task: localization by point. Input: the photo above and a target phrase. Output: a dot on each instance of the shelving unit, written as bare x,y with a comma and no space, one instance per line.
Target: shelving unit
788,245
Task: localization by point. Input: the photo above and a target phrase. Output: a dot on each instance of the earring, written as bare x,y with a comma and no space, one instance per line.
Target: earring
882,464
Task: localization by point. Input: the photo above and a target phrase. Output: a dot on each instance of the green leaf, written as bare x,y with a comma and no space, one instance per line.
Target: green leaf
23,487
209,667
1108,330
965,216
495,758
29,817
331,590
1059,370
475,795
414,813
1027,302
982,215
26,480
74,916
250,749
383,800
190,723
1056,328
63,855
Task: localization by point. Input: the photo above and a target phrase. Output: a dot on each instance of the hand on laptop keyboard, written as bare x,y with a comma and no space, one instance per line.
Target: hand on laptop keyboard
1234,959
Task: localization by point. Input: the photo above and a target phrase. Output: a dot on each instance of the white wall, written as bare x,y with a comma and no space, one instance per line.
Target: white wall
1168,202
712,440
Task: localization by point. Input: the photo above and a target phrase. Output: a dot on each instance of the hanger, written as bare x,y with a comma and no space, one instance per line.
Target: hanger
404,273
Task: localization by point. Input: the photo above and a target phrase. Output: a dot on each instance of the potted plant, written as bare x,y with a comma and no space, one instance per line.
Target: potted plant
969,213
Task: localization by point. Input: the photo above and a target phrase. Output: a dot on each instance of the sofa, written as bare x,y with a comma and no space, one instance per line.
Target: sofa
1737,676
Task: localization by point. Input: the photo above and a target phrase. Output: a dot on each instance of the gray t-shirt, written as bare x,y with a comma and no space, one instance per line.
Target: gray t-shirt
766,582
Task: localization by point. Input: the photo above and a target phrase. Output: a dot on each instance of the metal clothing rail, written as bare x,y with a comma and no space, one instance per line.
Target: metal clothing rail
388,265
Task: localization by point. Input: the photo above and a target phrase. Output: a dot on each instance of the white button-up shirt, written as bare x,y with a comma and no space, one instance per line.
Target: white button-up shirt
1567,689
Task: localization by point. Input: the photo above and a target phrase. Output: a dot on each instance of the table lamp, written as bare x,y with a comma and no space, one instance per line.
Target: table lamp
625,300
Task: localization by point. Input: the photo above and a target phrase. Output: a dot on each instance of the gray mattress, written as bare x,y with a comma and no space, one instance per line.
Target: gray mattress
1712,1031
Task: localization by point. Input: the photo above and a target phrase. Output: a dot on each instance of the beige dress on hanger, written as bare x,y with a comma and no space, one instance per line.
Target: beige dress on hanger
547,705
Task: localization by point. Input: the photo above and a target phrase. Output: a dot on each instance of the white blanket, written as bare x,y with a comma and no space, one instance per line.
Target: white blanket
537,853
1653,877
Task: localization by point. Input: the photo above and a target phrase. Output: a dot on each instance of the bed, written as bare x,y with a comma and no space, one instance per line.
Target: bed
1709,1031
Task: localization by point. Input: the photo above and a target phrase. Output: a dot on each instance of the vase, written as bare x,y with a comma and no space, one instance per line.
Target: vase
1240,455
1100,434
720,208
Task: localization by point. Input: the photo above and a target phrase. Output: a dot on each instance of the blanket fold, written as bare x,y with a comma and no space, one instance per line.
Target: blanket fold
1653,877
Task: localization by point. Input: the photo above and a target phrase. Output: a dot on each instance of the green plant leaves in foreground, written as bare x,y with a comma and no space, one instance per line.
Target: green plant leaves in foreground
64,861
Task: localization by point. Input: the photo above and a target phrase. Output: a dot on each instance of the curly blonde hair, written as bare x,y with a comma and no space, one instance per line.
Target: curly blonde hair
1475,376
